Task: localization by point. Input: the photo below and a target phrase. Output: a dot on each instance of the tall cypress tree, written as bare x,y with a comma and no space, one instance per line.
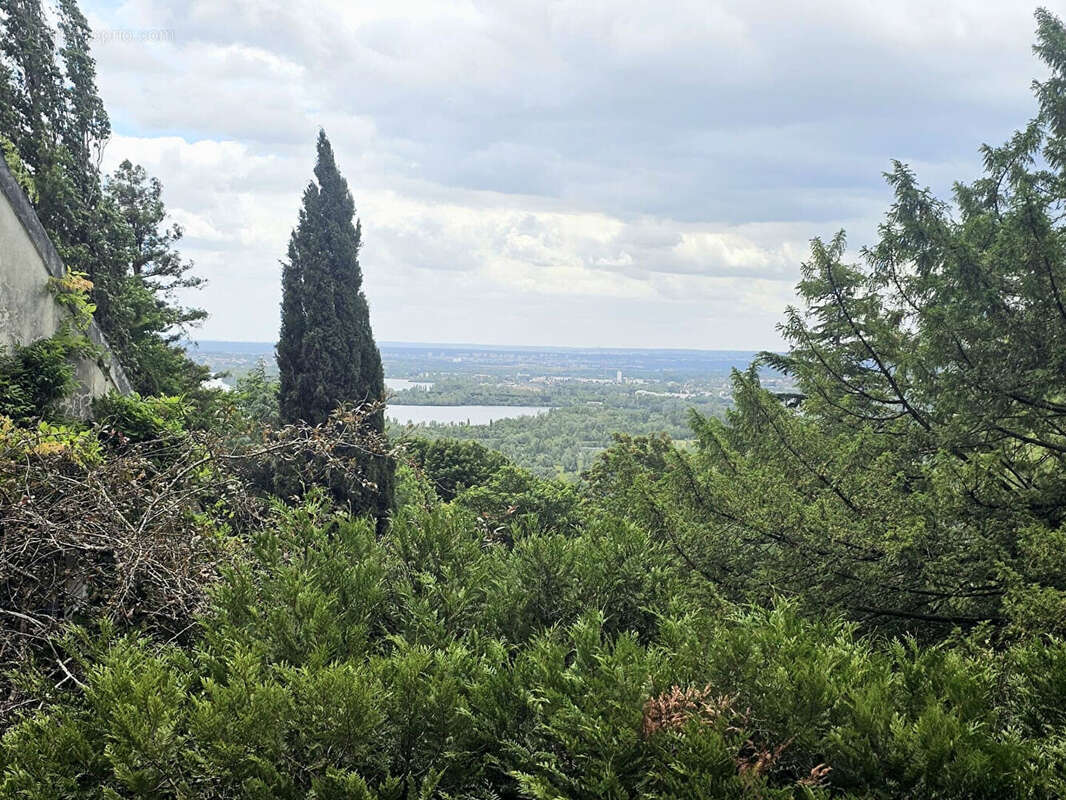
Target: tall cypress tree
326,354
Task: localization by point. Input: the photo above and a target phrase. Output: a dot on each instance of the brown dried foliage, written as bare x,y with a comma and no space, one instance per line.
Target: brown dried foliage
676,709
819,776
755,761
673,710
137,537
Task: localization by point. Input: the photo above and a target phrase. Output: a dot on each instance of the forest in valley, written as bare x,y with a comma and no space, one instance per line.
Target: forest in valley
852,589
579,410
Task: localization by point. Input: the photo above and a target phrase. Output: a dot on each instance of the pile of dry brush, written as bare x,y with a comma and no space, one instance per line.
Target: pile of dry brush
134,532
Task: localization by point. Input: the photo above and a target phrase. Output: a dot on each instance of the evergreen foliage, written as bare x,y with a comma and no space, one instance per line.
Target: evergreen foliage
920,482
335,663
113,231
326,352
143,312
861,594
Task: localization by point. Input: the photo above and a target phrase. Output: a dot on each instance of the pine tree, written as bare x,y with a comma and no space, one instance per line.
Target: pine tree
326,354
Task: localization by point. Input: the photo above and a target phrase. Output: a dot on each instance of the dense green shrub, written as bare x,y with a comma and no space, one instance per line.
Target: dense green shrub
413,489
451,465
141,419
36,378
500,493
512,494
256,395
72,444
431,663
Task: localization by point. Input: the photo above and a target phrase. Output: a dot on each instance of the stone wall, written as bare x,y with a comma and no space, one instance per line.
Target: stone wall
27,309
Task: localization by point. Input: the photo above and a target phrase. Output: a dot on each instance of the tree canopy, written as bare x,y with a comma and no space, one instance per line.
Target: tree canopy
326,352
921,478
54,127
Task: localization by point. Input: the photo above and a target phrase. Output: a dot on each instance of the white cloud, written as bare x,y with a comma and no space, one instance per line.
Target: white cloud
237,210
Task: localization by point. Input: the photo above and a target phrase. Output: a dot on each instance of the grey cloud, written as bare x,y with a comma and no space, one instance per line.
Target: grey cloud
764,124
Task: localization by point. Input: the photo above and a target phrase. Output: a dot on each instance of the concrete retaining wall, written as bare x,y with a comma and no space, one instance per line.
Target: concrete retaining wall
28,310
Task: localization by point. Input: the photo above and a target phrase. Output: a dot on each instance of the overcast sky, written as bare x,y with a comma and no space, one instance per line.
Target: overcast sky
636,174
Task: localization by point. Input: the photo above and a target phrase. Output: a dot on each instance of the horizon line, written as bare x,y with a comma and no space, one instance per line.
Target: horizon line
475,345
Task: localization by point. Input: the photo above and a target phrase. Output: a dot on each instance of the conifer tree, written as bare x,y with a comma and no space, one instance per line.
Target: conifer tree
326,354
54,126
